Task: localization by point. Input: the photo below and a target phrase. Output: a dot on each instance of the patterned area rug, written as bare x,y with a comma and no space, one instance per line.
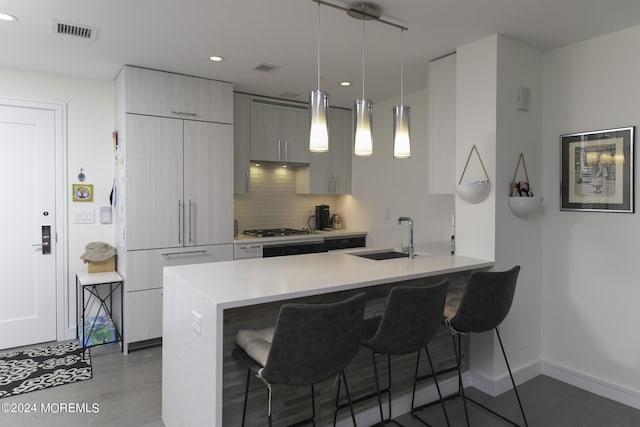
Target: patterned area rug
43,367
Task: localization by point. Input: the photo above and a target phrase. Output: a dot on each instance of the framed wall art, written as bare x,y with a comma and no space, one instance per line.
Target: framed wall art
82,192
597,171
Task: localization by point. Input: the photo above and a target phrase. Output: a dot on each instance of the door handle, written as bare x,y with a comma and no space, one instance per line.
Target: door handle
46,240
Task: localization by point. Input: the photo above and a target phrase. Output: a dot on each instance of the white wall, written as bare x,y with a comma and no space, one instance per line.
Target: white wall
476,125
89,113
489,72
590,291
518,240
385,188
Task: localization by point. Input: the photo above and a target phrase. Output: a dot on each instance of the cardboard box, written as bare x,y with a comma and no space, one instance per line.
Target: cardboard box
102,267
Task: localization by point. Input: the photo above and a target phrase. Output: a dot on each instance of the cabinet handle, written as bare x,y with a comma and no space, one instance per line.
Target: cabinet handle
250,247
279,150
185,253
246,174
184,113
180,209
190,221
286,151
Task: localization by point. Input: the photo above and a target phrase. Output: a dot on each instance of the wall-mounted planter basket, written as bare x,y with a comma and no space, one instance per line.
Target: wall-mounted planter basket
523,206
474,192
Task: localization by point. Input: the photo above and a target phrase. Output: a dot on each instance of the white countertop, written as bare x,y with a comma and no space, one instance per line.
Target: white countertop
246,282
320,234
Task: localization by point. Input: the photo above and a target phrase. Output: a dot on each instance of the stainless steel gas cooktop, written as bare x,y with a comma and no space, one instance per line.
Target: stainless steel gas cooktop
275,232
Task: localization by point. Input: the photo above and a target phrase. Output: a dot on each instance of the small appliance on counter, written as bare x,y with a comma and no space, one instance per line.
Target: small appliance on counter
323,217
336,222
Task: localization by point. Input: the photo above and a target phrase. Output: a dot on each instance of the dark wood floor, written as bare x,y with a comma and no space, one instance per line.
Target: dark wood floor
128,391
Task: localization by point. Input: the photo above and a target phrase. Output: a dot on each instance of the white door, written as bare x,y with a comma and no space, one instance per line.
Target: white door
28,285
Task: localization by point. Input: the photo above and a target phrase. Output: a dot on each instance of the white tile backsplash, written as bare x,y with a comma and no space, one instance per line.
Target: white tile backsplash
272,201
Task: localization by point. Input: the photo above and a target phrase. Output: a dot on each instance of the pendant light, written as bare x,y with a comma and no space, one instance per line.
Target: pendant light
318,106
401,115
363,109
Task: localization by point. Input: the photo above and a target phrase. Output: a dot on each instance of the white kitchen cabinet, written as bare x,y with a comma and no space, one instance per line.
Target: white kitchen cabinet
330,172
154,184
279,131
142,316
241,142
147,273
174,184
441,125
247,250
208,185
178,182
163,94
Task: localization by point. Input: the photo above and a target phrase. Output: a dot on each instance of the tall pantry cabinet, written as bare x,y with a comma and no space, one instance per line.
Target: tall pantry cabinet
174,188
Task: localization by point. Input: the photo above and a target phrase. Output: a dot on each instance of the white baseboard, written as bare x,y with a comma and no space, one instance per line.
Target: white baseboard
494,387
590,383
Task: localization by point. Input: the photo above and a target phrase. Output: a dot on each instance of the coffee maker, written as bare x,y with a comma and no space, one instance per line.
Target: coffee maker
323,217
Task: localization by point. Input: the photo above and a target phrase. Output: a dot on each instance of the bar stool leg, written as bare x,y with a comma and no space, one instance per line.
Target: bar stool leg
460,385
246,397
515,388
346,388
375,373
435,380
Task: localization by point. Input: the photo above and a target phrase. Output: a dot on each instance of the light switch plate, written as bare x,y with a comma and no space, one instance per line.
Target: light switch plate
196,322
84,217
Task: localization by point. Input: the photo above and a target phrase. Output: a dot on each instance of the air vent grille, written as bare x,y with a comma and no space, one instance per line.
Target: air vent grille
74,30
266,68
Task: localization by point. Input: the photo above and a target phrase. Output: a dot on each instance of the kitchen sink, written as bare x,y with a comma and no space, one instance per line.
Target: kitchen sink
385,254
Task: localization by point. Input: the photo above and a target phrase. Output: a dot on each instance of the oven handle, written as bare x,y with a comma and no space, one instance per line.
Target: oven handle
294,243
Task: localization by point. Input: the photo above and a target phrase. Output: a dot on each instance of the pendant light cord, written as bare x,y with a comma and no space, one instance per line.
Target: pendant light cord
318,46
363,49
401,67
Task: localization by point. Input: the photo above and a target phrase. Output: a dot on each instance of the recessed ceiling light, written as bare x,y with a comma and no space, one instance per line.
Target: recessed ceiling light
345,83
7,17
216,58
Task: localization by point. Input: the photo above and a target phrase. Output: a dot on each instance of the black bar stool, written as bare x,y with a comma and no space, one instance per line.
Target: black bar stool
410,320
483,306
309,344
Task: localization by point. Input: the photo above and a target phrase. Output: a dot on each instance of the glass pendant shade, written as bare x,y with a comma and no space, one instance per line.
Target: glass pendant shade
401,138
363,110
319,133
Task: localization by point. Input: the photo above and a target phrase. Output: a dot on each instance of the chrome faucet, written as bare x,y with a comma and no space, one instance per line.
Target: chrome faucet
402,219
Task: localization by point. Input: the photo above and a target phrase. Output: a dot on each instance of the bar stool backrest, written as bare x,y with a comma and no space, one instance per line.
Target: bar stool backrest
411,318
314,342
486,300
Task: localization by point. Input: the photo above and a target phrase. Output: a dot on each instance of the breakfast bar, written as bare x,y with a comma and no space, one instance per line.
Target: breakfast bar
197,299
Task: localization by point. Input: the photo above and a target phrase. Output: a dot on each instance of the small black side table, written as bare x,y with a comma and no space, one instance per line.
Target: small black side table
99,289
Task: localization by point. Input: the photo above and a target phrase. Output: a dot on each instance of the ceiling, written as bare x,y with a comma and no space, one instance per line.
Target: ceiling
180,35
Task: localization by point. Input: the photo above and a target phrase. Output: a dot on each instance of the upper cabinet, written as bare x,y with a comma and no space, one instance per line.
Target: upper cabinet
279,131
441,125
330,173
163,94
241,142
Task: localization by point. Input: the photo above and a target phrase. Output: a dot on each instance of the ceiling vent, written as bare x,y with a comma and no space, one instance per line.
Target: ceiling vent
266,68
74,30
